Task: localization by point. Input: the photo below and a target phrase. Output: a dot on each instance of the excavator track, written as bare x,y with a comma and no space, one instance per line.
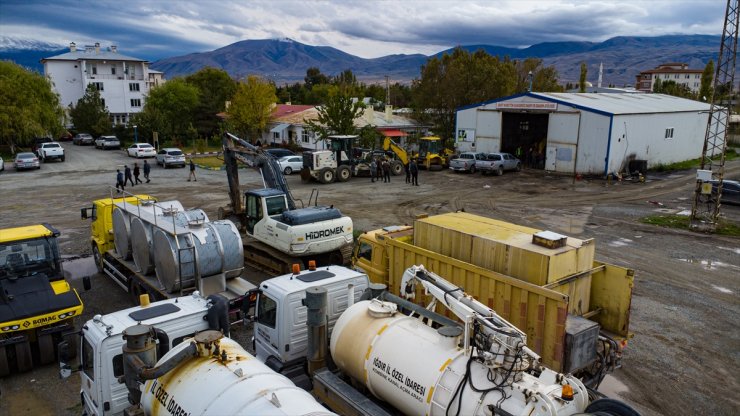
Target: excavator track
270,260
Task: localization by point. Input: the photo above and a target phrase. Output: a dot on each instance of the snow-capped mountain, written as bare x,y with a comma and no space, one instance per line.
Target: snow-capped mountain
11,43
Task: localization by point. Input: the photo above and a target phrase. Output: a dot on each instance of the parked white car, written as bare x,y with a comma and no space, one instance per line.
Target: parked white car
170,156
107,142
290,164
50,151
141,150
2,164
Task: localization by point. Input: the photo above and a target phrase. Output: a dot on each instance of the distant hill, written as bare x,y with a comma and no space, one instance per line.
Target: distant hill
286,61
27,53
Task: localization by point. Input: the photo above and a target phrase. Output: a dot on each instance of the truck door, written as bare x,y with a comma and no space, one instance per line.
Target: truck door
90,387
265,328
254,212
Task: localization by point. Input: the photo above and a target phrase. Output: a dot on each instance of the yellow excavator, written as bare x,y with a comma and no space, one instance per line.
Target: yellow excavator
432,154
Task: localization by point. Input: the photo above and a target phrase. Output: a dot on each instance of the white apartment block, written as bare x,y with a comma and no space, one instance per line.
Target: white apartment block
123,81
678,72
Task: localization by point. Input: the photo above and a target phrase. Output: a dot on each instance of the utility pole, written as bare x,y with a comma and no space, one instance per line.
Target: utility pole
706,204
387,91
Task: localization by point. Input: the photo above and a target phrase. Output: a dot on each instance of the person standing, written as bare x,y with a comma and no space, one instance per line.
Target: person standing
414,171
192,171
120,186
147,169
407,168
386,171
373,170
137,172
379,164
127,175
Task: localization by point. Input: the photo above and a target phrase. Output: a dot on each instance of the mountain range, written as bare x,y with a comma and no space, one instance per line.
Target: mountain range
286,60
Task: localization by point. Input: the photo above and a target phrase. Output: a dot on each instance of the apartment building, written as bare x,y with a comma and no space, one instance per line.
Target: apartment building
123,81
678,72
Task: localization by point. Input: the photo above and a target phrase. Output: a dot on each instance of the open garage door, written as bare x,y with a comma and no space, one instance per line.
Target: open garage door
528,132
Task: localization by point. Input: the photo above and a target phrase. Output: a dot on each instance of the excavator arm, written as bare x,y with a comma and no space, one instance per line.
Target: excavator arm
389,144
236,149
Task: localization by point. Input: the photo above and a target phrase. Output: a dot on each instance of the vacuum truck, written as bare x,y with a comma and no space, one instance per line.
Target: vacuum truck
171,357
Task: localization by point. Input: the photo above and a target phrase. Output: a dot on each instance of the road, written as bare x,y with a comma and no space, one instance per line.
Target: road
685,309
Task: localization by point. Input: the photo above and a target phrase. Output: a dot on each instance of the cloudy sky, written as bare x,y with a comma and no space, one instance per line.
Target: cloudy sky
369,28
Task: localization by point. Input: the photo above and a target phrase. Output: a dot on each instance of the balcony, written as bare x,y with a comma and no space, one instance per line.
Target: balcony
121,77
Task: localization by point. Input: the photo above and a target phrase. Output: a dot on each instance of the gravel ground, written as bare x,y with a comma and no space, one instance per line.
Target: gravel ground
685,310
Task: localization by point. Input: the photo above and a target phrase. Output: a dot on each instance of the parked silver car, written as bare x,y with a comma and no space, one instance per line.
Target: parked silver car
107,142
290,164
497,163
170,156
26,160
82,139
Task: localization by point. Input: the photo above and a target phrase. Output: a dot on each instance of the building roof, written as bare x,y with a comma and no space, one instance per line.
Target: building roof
285,109
611,104
627,103
80,55
377,119
672,71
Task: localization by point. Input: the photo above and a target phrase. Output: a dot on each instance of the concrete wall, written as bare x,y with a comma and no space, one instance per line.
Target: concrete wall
67,80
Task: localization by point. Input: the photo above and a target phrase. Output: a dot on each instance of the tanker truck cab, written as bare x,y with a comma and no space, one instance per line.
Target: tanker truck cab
311,231
280,332
99,360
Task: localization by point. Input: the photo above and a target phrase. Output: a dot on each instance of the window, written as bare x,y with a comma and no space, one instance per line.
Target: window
669,133
675,76
135,102
365,251
275,205
98,86
524,125
118,365
304,136
688,76
113,70
275,136
88,359
94,70
133,86
102,102
266,311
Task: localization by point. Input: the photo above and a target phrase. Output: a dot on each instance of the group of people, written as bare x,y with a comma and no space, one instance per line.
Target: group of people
382,169
132,175
533,157
123,178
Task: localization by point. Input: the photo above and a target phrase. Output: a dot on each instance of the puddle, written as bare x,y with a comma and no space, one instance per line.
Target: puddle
722,289
612,387
710,264
684,213
621,242
75,268
736,250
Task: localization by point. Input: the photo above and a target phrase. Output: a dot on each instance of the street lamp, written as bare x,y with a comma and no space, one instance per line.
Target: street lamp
136,135
530,76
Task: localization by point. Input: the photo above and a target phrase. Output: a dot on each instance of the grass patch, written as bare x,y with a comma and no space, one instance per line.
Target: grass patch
682,221
209,161
731,154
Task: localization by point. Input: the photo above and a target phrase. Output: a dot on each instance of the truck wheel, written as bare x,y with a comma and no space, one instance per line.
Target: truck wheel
4,367
396,168
518,167
500,171
472,169
97,258
23,356
46,349
611,407
63,158
343,173
326,175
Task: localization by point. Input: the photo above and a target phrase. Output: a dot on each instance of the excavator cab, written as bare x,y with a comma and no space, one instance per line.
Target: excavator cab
343,147
259,202
431,153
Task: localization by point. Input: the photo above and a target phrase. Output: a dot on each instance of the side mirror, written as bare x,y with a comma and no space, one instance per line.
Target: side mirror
250,300
86,284
83,213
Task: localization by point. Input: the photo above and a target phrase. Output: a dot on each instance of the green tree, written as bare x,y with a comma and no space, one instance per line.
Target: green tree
544,79
28,106
582,79
314,77
459,79
169,110
658,86
215,88
705,90
336,116
251,108
90,114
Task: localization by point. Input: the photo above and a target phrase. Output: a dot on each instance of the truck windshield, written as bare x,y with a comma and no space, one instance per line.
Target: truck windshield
275,205
29,257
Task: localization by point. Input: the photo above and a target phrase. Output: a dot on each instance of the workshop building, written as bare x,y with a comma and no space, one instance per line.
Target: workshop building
586,133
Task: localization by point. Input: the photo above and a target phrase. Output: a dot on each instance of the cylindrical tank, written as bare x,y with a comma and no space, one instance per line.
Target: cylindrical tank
238,385
121,233
124,212
417,369
141,230
216,249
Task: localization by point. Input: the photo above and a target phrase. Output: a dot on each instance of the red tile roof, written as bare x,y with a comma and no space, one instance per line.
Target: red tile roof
283,109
